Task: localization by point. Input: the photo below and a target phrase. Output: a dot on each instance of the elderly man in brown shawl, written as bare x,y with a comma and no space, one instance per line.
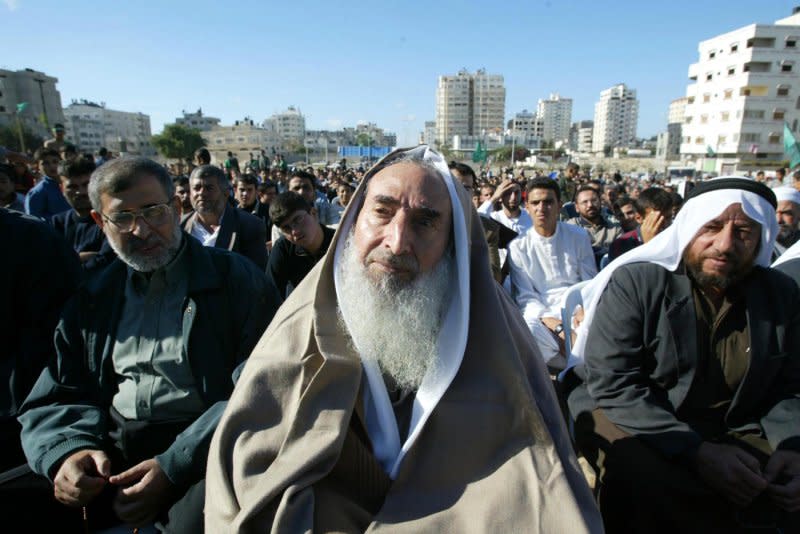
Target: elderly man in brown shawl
397,388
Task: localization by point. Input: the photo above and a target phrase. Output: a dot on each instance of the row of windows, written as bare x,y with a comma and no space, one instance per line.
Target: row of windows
758,42
773,138
757,114
755,66
748,90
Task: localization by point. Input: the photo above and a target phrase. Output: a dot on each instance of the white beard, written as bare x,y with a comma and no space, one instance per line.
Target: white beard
392,324
146,264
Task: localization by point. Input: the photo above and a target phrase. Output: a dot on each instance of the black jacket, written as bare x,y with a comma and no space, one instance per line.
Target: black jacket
640,358
239,232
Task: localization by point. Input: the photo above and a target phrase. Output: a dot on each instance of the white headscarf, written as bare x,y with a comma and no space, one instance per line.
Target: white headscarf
452,341
666,249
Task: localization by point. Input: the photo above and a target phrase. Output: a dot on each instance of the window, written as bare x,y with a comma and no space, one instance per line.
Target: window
782,90
709,76
778,114
699,140
751,137
727,94
754,114
786,66
761,42
791,41
687,119
734,48
687,139
731,71
707,97
712,55
724,116
690,100
2,109
721,140
774,138
703,119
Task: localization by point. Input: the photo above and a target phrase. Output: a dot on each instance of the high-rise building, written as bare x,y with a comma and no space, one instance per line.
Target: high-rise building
38,92
289,125
469,105
555,113
197,120
428,136
91,126
744,87
616,115
580,136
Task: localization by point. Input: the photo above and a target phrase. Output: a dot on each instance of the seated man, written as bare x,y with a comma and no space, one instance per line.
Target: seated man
788,216
511,214
122,418
215,224
544,263
590,217
304,241
76,225
344,192
690,395
491,228
652,213
398,386
247,198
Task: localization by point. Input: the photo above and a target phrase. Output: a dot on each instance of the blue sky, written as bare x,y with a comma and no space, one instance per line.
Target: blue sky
344,62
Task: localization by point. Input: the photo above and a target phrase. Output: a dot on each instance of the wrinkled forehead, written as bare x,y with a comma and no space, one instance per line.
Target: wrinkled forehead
409,185
733,213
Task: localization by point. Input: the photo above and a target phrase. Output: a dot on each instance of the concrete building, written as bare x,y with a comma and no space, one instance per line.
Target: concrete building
555,114
289,126
668,143
242,138
744,87
580,136
616,115
428,136
469,105
197,120
527,123
38,90
91,126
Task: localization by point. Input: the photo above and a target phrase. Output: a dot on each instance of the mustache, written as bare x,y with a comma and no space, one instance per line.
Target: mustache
137,243
405,262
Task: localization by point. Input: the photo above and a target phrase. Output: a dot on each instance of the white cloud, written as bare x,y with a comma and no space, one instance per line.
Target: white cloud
12,5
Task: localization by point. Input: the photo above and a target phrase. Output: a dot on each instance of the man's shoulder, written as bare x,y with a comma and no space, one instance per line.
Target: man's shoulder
572,229
248,219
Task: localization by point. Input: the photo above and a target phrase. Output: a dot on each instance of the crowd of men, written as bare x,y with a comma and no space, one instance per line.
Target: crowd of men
259,347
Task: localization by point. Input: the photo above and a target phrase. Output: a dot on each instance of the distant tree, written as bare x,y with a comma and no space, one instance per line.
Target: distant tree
504,153
9,138
363,139
178,142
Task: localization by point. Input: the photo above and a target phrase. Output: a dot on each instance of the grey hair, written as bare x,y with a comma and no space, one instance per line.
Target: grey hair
123,173
209,171
412,157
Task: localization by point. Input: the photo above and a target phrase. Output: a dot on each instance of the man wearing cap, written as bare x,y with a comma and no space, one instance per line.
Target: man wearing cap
57,142
788,215
397,386
689,364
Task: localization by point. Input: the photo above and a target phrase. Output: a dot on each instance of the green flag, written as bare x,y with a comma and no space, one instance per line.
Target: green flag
710,151
790,147
21,107
479,154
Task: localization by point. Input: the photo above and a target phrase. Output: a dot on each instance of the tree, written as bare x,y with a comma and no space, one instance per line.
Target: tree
9,138
504,153
363,139
178,142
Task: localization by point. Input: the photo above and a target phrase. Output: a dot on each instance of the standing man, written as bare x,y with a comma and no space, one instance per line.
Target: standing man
215,224
46,198
57,143
688,374
378,380
122,419
181,184
590,217
545,262
304,241
9,198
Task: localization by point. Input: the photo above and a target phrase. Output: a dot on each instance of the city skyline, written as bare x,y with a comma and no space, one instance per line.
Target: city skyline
350,63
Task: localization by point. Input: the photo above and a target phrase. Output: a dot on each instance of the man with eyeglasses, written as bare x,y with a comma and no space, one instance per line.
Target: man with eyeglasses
304,241
216,224
122,419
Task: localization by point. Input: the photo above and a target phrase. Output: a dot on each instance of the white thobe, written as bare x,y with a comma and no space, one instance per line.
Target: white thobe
542,268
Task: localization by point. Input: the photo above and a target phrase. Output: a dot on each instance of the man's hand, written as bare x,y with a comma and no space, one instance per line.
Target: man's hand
783,473
652,225
730,471
501,190
144,488
81,477
552,324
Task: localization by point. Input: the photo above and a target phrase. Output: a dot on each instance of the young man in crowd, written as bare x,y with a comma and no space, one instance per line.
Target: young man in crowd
46,198
303,243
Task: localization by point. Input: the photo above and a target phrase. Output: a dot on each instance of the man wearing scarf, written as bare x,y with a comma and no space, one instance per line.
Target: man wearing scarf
397,389
690,369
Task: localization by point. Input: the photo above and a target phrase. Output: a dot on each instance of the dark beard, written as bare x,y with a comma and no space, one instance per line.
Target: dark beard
722,283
